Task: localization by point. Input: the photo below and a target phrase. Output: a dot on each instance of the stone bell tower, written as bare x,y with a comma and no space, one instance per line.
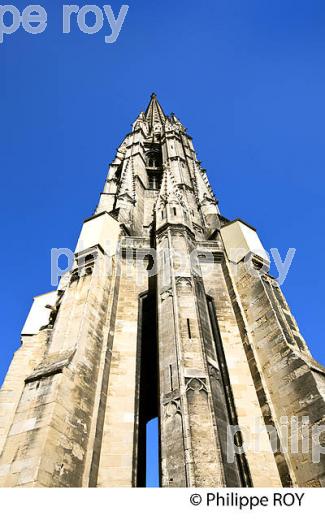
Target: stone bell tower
168,310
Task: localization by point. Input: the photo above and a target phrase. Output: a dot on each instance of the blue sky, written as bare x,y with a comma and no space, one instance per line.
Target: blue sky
246,77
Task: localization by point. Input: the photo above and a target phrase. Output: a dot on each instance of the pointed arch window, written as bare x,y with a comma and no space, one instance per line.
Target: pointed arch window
154,181
154,158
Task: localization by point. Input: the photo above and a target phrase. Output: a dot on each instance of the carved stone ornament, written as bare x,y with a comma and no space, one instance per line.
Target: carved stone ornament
214,372
172,408
166,294
183,281
196,384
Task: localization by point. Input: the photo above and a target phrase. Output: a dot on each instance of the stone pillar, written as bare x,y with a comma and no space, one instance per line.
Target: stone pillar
189,445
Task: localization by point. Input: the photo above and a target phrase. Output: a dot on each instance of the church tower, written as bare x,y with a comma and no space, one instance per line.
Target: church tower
168,311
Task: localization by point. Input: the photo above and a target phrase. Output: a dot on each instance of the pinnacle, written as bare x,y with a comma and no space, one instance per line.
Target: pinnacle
169,190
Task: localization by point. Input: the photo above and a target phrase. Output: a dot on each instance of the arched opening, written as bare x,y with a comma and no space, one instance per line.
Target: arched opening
146,465
154,158
154,167
152,453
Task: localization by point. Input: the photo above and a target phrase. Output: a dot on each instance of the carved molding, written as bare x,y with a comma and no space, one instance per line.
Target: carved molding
74,276
214,372
166,294
196,384
171,408
183,281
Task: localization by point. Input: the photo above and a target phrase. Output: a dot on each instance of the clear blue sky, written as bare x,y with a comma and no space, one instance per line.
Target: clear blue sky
246,77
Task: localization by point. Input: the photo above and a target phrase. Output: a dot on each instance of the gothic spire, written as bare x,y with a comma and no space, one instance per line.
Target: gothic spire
154,114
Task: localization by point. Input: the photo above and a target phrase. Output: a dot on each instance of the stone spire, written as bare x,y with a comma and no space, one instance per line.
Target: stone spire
154,113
